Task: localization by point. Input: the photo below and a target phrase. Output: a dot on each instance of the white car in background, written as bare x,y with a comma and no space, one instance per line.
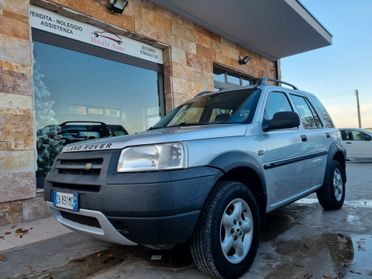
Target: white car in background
357,142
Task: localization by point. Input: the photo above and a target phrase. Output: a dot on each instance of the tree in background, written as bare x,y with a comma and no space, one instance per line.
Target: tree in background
49,139
43,103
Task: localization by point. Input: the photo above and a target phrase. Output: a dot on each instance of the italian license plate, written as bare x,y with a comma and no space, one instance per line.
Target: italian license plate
68,201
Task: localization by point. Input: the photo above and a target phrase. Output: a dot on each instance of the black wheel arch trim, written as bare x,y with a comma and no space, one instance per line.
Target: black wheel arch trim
333,150
236,159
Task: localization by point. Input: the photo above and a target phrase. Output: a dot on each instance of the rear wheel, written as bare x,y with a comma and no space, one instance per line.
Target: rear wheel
332,194
226,238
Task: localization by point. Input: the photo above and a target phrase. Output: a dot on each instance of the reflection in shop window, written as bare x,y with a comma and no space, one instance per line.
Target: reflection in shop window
81,97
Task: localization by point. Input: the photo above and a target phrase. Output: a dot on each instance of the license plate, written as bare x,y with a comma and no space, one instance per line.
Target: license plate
68,201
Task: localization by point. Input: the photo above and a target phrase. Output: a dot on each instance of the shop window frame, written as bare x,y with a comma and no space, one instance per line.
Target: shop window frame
81,47
74,45
221,85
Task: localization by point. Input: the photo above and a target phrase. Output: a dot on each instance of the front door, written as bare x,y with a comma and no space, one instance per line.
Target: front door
287,171
357,143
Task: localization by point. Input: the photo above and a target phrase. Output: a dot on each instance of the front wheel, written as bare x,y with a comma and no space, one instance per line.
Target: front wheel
332,194
226,238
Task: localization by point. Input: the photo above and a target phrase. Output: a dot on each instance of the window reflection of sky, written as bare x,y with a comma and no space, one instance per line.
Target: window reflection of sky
112,92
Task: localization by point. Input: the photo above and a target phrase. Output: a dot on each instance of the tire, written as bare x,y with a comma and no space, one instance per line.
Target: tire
227,200
332,194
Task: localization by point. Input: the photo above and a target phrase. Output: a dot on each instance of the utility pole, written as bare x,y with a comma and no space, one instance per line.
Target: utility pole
358,107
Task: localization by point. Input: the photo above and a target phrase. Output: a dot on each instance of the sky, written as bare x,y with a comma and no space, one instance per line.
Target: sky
334,73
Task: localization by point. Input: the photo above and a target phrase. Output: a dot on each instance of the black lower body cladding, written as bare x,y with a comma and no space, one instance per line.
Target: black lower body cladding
147,208
172,229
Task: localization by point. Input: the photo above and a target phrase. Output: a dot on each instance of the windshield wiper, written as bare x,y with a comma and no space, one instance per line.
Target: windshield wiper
185,124
182,124
177,125
154,128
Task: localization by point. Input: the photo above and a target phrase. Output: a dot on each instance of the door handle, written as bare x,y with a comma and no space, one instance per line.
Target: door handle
303,137
327,135
348,142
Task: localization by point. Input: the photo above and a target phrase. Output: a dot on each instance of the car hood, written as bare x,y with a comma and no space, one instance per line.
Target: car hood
174,134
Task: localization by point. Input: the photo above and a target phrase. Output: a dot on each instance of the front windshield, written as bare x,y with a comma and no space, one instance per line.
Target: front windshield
222,108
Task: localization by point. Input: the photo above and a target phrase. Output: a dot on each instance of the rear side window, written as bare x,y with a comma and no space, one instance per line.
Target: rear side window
328,123
309,117
277,102
354,135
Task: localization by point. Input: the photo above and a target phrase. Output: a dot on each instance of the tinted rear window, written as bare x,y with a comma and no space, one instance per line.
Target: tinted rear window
328,123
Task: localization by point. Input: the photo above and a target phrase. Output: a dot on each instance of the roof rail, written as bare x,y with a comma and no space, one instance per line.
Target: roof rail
204,93
263,81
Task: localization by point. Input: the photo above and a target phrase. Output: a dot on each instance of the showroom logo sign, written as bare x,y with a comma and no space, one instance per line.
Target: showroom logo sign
48,21
107,40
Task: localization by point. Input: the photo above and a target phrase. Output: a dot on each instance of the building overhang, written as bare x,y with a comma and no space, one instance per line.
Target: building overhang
271,28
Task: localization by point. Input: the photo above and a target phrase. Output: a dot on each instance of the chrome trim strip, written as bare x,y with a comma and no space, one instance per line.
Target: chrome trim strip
293,160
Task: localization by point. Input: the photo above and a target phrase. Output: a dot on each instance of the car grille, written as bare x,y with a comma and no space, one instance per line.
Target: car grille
77,187
79,166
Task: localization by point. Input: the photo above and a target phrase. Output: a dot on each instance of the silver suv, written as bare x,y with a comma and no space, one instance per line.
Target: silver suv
205,174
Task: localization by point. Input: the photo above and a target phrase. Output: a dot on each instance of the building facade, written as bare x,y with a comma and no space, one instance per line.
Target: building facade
64,61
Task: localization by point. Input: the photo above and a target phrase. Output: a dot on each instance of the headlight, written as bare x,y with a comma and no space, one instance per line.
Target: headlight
152,157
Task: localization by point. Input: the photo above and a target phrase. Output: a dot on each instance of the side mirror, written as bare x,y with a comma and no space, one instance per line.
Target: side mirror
282,120
367,138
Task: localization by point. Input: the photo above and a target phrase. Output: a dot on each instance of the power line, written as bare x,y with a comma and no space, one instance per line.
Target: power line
336,95
346,92
342,91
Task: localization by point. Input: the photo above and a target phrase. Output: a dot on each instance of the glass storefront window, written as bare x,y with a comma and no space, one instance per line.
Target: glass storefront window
80,96
246,82
219,77
233,79
225,79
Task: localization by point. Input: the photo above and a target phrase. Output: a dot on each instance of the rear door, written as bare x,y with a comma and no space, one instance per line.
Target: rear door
287,170
318,139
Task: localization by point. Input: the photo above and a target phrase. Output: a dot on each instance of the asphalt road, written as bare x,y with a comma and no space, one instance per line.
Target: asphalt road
300,240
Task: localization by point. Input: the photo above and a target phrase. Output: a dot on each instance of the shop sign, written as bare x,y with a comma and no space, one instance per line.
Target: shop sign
54,23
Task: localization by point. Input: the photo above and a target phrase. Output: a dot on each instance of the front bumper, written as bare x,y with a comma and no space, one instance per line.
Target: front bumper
151,208
106,231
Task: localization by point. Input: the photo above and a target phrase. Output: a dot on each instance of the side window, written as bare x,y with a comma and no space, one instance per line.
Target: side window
277,102
349,135
318,122
309,119
326,117
360,136
345,135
